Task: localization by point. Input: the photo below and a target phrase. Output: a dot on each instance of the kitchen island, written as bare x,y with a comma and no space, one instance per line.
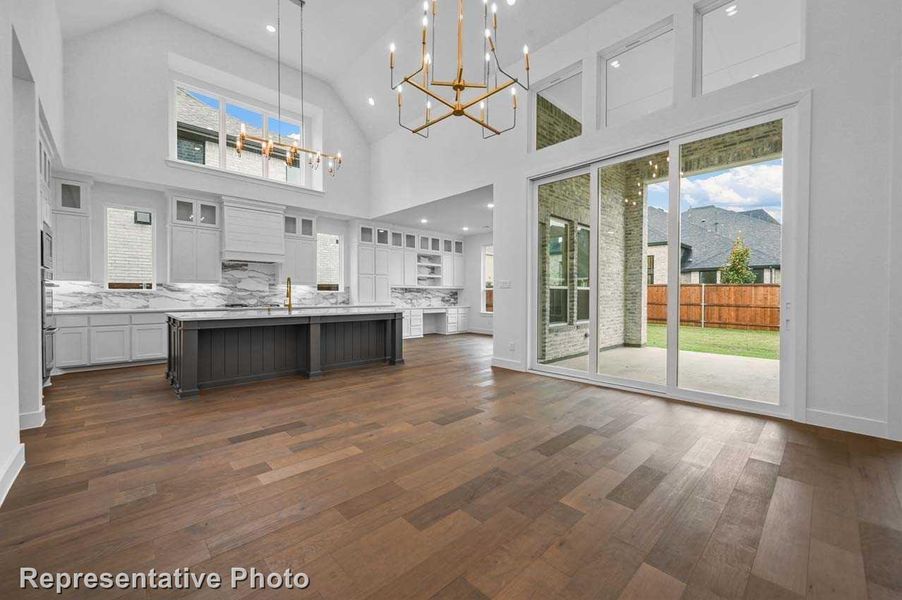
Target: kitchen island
216,348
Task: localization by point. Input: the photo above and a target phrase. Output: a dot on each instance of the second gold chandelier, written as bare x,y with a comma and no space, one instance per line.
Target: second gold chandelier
494,78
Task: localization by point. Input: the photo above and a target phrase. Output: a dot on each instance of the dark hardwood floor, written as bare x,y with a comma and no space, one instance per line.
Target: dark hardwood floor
444,478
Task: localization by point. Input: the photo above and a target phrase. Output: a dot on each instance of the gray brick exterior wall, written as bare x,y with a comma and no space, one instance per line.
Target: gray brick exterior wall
553,125
129,248
567,200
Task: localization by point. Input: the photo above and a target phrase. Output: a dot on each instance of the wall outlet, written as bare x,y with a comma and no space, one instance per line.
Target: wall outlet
512,346
504,284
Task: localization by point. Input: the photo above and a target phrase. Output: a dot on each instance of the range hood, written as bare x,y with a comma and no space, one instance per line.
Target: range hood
252,231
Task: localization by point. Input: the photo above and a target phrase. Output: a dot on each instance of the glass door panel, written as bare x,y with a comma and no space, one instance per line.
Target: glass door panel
633,240
731,224
564,227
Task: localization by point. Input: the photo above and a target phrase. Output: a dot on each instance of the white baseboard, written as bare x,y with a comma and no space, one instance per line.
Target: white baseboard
10,470
505,363
32,420
851,423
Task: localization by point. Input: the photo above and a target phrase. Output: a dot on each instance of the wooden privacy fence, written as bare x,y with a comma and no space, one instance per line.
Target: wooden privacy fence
754,306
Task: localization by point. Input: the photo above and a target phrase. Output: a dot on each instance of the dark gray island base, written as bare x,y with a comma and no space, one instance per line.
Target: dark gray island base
212,349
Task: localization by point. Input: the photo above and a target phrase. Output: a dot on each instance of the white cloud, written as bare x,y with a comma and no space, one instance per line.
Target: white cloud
740,188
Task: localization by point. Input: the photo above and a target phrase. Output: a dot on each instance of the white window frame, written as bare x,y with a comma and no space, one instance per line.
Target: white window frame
549,82
308,181
153,248
642,37
795,111
341,260
487,250
705,7
569,319
577,287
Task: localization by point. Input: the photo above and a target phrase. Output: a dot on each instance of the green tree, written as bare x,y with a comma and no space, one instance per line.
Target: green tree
737,271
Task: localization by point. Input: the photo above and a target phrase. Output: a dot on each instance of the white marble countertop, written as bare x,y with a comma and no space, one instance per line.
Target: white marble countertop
174,309
277,313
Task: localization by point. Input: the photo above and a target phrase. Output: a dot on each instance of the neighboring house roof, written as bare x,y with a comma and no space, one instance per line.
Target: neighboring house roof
708,234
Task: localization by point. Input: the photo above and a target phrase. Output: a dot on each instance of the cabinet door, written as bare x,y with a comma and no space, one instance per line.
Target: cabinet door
410,268
366,289
447,270
382,260
182,254
396,267
71,347
209,256
459,271
149,341
383,289
366,260
110,344
72,255
305,263
289,267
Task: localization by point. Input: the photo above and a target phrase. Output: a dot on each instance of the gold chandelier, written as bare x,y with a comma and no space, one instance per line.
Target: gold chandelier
423,78
292,151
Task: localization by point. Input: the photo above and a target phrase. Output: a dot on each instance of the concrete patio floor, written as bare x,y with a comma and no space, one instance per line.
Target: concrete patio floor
737,376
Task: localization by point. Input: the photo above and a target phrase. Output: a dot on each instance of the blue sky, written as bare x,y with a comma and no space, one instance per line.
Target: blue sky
740,188
252,119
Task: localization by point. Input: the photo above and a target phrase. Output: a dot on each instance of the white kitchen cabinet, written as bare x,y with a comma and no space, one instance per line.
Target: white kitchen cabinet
300,261
209,256
405,324
382,290
459,272
110,344
396,267
416,323
149,341
382,261
252,231
410,268
71,346
366,260
447,270
366,289
194,255
72,247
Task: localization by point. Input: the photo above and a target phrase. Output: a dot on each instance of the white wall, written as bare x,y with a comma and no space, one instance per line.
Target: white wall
37,26
117,103
480,322
11,450
894,356
850,80
28,254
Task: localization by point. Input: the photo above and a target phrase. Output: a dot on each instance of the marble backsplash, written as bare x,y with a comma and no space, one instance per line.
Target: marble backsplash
253,284
420,298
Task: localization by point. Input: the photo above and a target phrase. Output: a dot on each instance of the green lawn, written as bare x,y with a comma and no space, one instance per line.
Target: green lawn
736,342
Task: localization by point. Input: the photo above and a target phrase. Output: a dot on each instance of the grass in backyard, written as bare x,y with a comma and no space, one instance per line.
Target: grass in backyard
735,342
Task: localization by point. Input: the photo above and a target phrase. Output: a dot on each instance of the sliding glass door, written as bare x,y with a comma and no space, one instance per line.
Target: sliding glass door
663,279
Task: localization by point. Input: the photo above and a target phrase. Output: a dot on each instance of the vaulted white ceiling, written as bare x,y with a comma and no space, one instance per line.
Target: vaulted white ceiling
346,40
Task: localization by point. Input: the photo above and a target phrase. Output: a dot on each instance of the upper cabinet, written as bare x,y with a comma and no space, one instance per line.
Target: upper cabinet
71,230
300,226
200,213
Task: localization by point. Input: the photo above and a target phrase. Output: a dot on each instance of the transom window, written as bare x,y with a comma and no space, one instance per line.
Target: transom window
206,123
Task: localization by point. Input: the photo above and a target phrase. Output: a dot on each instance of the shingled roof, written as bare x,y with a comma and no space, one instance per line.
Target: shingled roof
708,233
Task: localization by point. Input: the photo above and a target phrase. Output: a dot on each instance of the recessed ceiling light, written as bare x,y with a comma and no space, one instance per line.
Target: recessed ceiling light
271,28
615,64
490,205
465,228
732,10
424,221
371,100
511,2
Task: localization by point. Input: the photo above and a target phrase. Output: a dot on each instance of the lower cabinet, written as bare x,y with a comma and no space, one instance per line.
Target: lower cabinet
71,346
107,339
413,323
110,344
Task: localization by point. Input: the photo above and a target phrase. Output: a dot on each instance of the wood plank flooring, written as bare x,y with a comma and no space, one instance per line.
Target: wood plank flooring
446,479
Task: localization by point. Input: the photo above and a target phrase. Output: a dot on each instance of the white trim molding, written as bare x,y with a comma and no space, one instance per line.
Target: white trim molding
10,470
32,420
506,363
843,422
